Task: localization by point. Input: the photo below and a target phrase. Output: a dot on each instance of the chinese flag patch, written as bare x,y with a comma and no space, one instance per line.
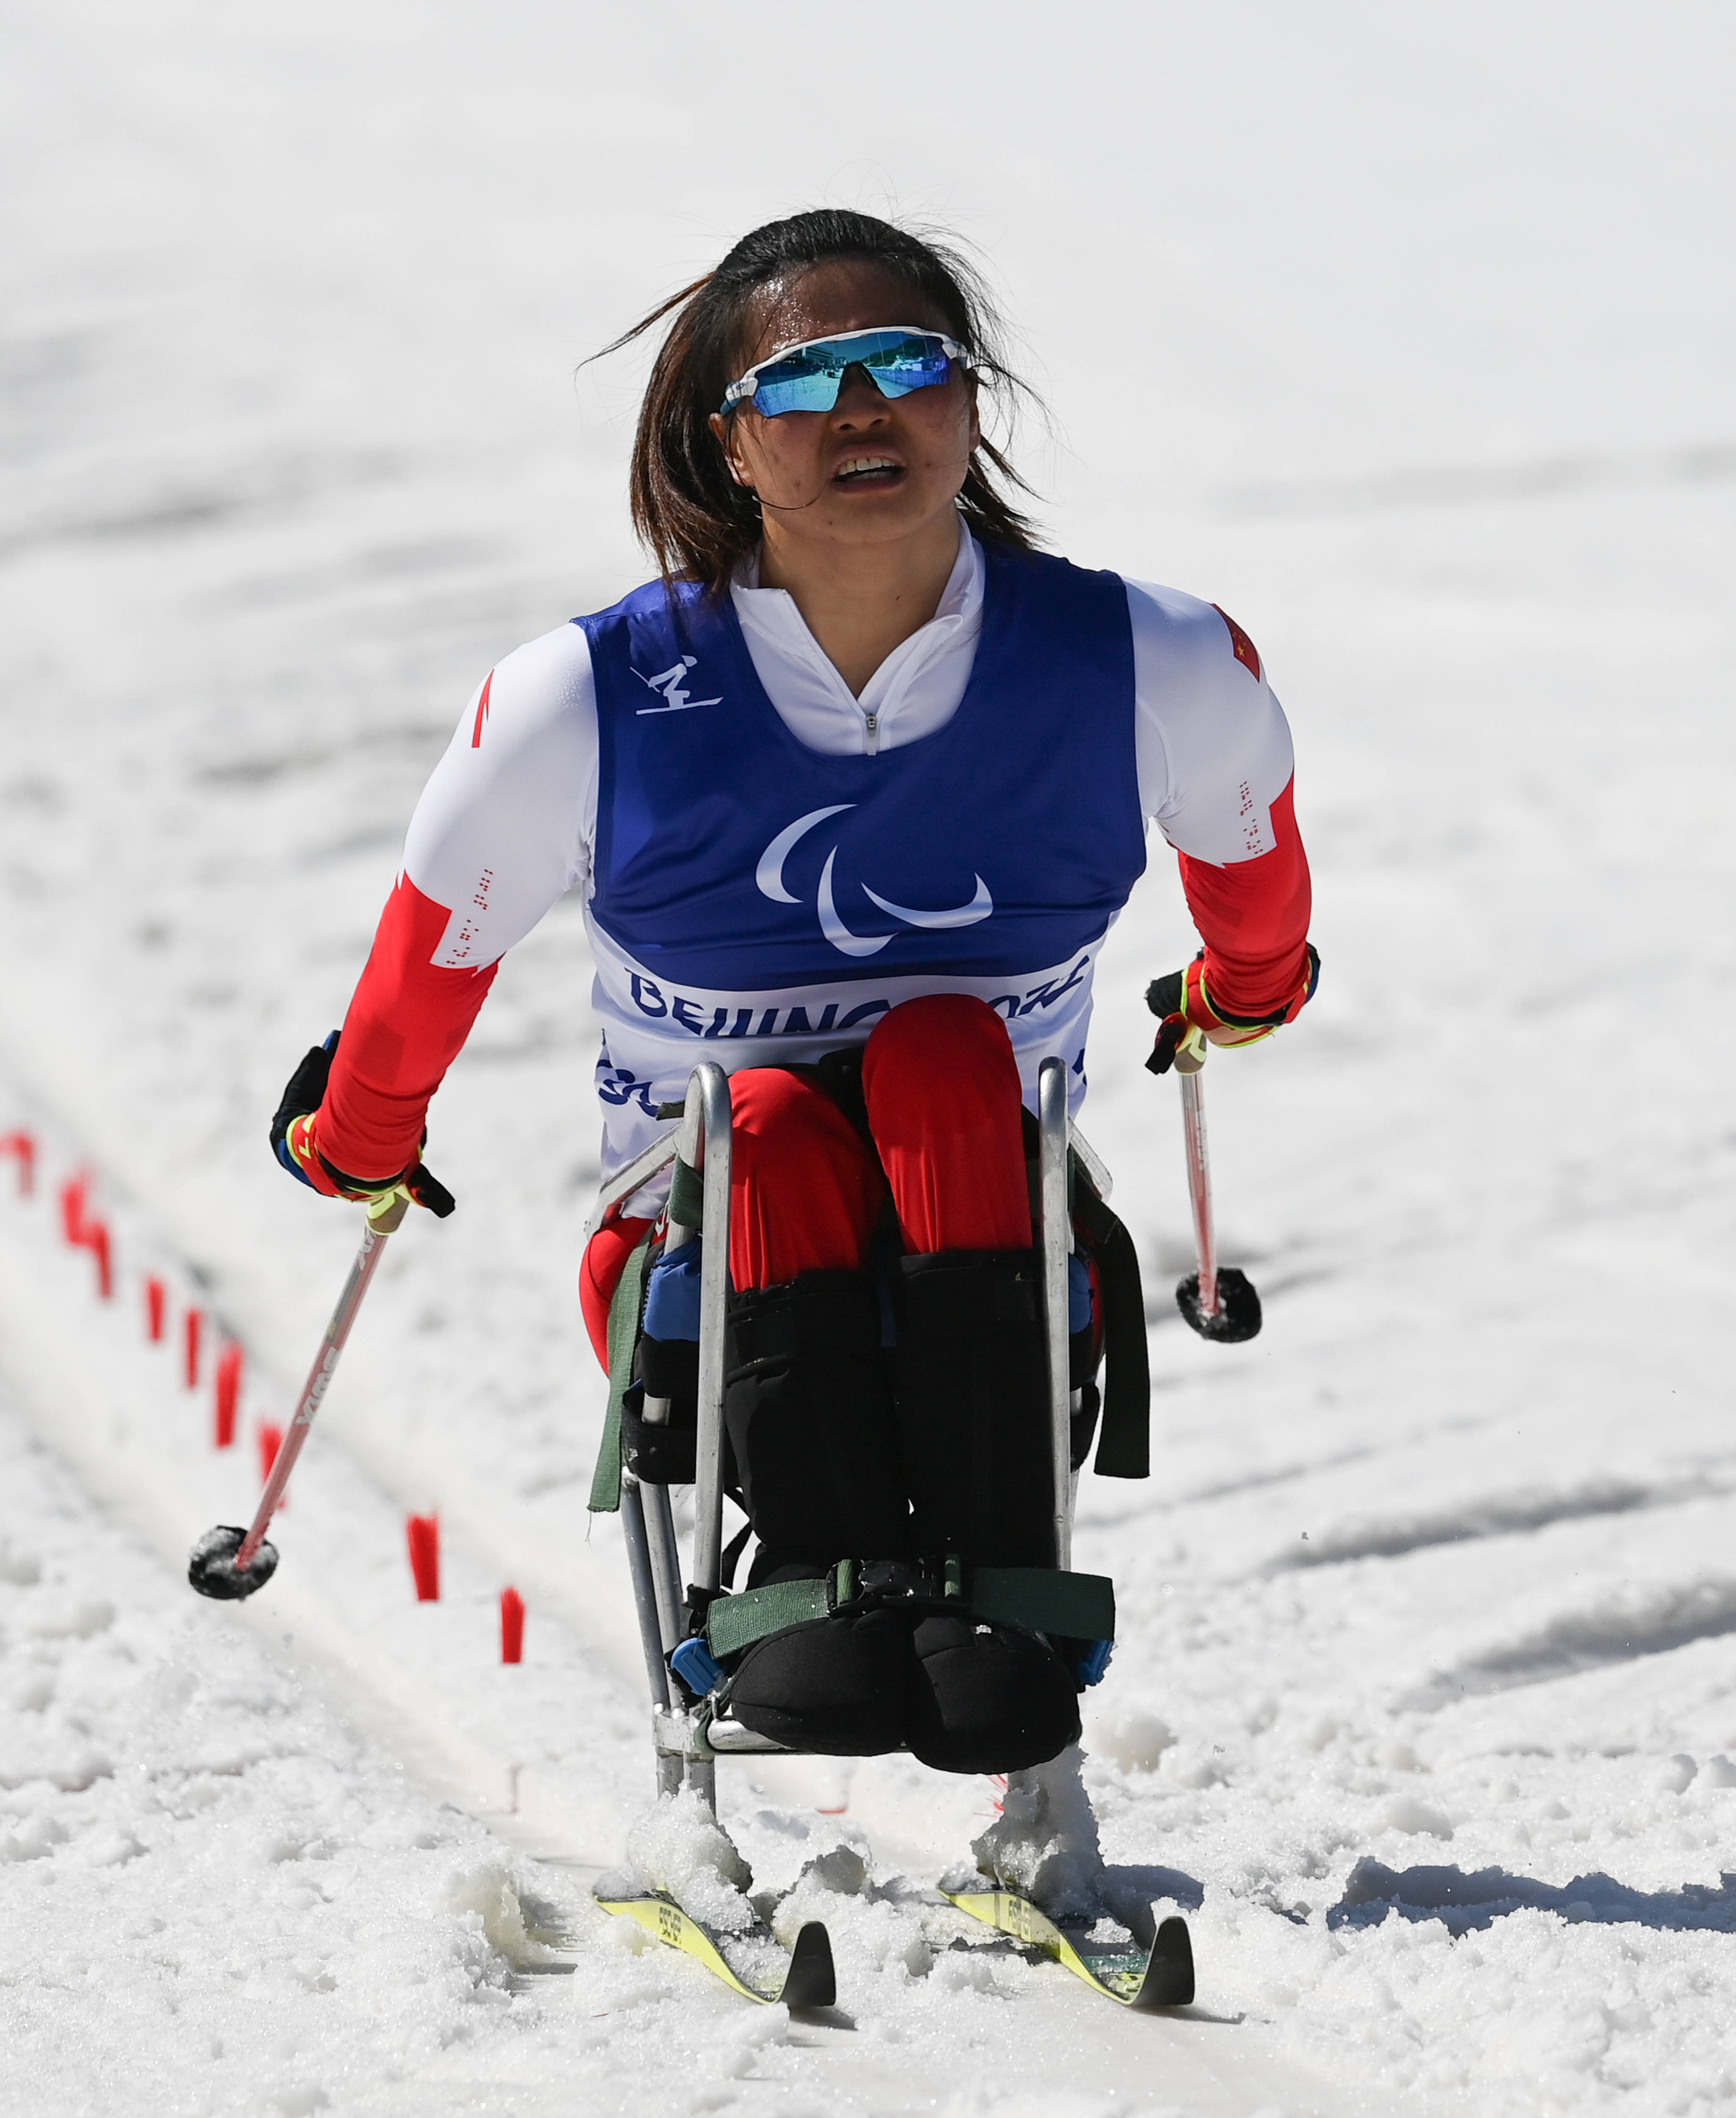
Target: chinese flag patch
1244,649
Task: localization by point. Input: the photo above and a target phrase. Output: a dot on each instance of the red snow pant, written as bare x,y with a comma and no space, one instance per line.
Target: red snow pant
942,1088
968,1408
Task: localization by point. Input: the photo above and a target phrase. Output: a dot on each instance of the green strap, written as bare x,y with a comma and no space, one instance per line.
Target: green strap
1074,1607
686,1196
1077,1606
623,1334
735,1622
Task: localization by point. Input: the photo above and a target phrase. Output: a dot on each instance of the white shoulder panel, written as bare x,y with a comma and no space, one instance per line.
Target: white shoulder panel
504,824
1214,747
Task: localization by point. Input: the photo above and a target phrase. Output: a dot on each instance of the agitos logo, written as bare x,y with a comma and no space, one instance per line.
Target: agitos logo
768,875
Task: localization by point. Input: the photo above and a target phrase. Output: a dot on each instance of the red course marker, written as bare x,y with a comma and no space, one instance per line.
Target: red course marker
229,1393
425,1556
270,1441
23,1145
156,1309
512,1626
195,1325
94,1237
72,1209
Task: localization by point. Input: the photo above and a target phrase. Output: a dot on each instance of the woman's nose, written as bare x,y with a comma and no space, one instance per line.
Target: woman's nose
859,401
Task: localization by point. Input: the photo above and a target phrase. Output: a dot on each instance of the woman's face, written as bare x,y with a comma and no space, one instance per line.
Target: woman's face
873,469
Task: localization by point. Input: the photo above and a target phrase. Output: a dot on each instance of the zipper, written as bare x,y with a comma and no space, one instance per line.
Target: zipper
874,735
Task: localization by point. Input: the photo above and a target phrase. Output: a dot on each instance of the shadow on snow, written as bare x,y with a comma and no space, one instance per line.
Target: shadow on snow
1462,1902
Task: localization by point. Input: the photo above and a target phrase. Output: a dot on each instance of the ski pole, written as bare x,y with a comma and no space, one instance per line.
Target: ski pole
1218,1301
229,1562
1199,1187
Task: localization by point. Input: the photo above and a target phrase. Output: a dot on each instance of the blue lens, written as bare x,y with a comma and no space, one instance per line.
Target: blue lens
809,379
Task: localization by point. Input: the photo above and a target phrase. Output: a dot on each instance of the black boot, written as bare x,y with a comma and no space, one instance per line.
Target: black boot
808,1406
808,1401
973,1407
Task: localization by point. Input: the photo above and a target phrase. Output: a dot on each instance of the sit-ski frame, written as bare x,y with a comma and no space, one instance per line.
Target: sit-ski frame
688,1742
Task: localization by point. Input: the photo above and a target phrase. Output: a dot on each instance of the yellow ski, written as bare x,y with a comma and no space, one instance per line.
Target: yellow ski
1160,1976
806,1981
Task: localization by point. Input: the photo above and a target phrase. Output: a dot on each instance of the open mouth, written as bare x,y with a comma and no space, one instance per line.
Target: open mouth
859,472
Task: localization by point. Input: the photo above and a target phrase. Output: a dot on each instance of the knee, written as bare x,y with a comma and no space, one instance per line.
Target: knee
778,1117
764,1100
938,1038
945,1022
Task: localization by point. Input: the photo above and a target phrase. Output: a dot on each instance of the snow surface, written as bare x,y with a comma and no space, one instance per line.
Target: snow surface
1400,333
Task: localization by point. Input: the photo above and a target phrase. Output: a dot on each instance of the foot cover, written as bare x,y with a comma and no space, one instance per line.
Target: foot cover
988,1699
838,1685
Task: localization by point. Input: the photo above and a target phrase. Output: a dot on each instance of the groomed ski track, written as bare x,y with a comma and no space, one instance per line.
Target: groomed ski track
1390,331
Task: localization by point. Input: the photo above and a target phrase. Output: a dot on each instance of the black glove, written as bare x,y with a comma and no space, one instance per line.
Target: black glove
295,1144
1187,1017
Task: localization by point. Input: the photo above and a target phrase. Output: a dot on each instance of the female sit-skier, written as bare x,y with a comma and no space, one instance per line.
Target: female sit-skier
853,793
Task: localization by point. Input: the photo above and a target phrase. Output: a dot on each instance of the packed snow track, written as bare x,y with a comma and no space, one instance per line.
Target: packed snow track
1394,337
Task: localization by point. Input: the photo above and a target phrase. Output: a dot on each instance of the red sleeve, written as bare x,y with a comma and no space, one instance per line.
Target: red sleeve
406,1024
1253,918
600,1274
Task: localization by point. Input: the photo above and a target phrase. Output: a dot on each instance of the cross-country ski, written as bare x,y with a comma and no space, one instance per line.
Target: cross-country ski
1160,1975
751,1963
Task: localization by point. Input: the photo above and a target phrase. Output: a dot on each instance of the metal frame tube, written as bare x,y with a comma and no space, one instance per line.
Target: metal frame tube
712,1087
645,1591
622,1185
659,1519
1058,1243
648,1522
665,1559
689,1143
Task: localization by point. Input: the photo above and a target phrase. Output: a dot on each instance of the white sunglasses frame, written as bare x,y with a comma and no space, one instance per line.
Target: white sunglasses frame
747,386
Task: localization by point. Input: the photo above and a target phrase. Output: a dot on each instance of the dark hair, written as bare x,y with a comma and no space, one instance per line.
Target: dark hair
689,509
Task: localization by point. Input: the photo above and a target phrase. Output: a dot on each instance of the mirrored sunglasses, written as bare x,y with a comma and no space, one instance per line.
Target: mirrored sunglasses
807,378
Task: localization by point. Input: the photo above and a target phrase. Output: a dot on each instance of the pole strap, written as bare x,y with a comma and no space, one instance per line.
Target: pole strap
624,1310
1124,1444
